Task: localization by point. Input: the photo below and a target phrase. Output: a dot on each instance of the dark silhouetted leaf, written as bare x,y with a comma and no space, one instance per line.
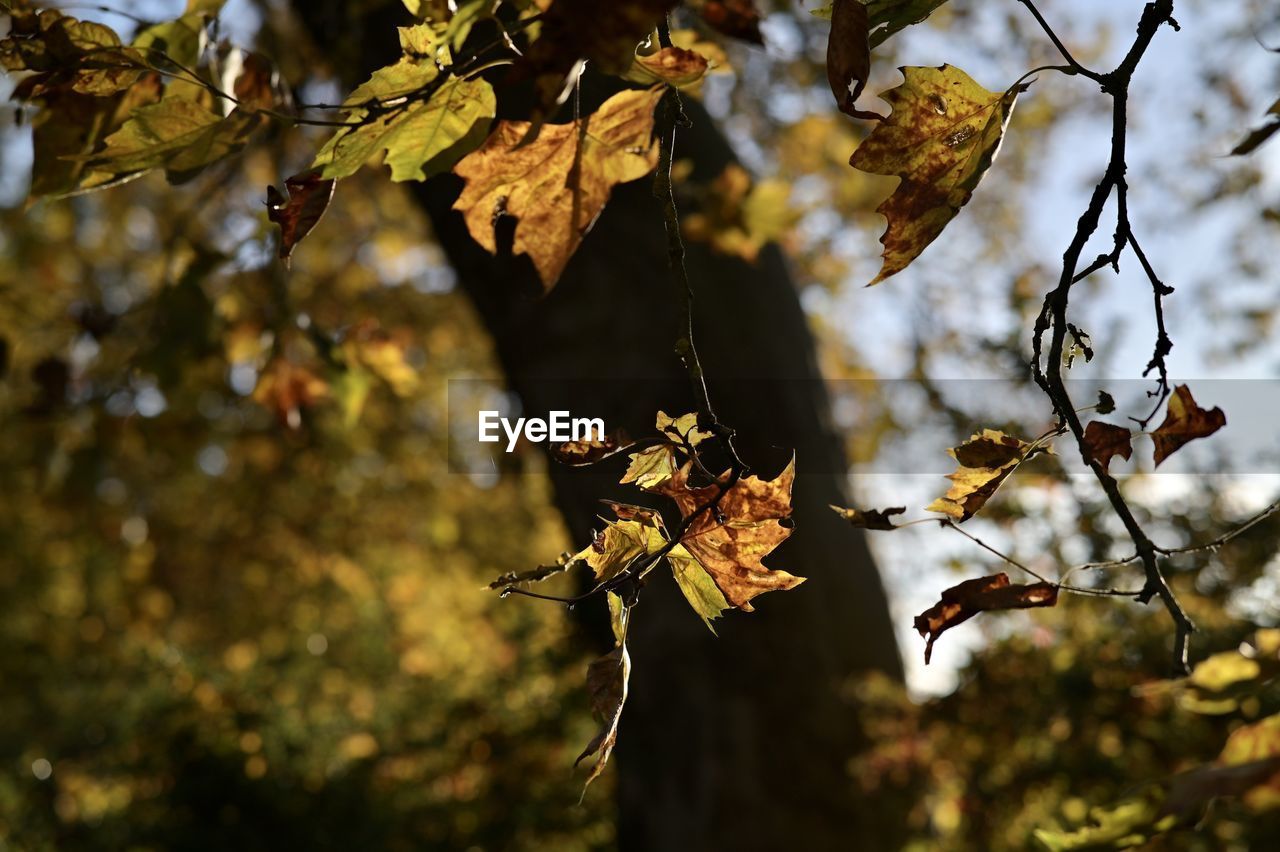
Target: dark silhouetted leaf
1256,137
591,451
871,519
849,56
309,197
738,19
962,602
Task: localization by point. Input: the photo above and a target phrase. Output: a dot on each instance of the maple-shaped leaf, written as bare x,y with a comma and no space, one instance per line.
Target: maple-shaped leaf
309,197
67,55
731,537
1104,441
941,137
620,543
849,56
607,679
1184,421
986,460
556,185
965,600
590,451
1261,134
871,519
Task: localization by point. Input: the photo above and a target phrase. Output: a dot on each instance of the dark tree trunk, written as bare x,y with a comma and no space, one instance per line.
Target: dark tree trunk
740,741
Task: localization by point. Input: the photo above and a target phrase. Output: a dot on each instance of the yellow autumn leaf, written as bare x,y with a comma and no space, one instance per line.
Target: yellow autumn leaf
986,460
556,185
942,136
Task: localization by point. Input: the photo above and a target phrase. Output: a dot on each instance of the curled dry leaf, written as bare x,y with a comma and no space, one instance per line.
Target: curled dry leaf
849,56
1184,421
871,519
556,185
621,542
607,680
590,451
962,602
986,460
675,66
1104,441
309,197
941,137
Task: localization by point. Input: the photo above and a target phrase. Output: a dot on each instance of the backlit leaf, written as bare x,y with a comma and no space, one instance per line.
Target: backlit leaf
1104,441
556,186
178,135
1184,421
965,600
696,584
941,137
986,460
607,685
730,539
621,542
591,450
309,197
674,65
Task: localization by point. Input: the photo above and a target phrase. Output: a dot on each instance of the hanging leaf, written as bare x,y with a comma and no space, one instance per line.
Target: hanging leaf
962,602
1184,421
941,137
849,56
1104,441
871,519
1256,137
986,460
556,186
309,197
729,540
683,429
607,685
674,66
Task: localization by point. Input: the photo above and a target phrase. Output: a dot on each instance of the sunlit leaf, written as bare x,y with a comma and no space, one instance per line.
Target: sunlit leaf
1184,422
673,65
749,520
556,186
986,460
941,137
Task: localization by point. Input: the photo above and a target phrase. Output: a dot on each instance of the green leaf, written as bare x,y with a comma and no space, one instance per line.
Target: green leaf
181,41
887,17
699,589
942,136
421,139
179,135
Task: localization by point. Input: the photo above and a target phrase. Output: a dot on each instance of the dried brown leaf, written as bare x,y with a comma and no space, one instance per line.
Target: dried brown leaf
1184,422
965,600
